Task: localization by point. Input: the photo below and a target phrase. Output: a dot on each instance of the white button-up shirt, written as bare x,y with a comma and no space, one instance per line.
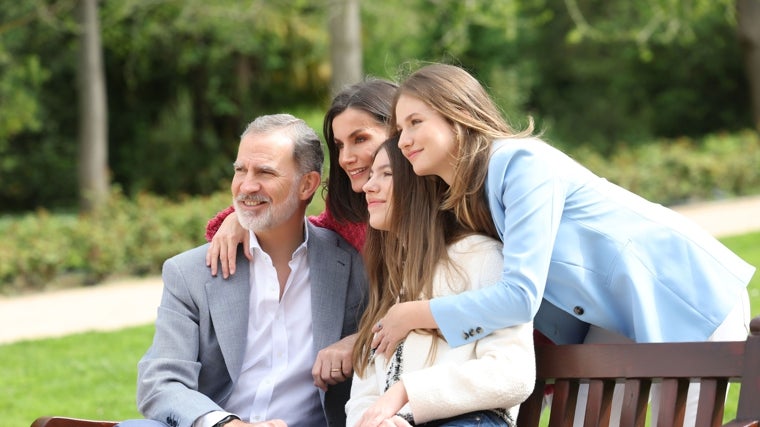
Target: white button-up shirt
276,381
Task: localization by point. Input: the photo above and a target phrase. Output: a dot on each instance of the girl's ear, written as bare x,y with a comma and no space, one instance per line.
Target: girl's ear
309,184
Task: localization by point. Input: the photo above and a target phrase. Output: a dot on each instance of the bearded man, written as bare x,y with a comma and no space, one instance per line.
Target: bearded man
239,351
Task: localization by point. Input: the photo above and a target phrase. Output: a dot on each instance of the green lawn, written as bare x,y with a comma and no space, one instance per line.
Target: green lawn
90,375
93,375
748,247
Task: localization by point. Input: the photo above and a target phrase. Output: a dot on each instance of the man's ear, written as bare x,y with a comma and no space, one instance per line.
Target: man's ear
309,184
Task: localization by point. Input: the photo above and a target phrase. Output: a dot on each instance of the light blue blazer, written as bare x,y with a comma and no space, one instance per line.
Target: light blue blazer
201,329
590,252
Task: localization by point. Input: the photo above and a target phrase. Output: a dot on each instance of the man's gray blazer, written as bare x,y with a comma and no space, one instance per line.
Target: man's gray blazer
202,324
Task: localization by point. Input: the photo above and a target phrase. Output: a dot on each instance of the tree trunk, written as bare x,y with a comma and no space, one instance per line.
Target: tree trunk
345,43
748,17
93,112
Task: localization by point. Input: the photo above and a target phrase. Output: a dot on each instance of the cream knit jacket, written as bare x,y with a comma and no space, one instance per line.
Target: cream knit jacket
497,371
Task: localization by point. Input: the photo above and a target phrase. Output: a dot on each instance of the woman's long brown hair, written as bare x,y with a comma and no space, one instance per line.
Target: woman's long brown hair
402,261
374,97
477,121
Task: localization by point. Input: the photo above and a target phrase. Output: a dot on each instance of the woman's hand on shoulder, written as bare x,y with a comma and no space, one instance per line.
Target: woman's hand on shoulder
223,246
401,319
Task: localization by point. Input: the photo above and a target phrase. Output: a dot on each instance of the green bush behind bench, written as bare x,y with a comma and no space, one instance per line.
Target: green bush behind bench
134,235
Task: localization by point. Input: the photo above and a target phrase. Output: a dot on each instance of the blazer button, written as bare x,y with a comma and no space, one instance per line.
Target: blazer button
578,310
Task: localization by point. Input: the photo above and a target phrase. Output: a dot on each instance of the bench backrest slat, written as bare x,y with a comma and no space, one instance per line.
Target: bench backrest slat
635,368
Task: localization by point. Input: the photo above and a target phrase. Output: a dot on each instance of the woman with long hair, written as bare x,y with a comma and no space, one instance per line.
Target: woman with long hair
587,260
416,251
355,124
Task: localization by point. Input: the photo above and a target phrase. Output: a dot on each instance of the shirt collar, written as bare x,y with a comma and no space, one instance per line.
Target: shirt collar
301,248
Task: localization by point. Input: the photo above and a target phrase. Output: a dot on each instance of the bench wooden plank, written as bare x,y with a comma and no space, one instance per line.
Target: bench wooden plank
637,367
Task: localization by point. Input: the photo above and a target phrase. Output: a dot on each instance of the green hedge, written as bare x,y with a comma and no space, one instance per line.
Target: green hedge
684,170
129,236
133,236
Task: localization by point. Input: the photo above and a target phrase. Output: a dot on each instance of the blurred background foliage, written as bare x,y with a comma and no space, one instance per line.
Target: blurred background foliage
652,94
184,76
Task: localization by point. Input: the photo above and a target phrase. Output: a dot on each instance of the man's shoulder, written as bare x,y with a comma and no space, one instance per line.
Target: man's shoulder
192,254
324,237
194,259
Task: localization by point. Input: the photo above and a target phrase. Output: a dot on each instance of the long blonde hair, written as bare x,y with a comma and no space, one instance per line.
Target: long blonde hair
401,262
477,121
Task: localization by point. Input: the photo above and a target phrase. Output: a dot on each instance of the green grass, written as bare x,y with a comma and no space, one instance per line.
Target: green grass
93,375
90,375
748,247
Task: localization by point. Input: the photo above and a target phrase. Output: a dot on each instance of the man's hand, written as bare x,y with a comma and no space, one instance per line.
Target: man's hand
224,245
333,364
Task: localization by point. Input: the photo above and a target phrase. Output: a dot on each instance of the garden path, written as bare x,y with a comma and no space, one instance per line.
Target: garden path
118,304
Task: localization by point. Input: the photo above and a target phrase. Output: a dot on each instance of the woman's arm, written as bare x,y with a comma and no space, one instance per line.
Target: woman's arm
353,232
502,375
385,407
401,319
225,234
497,371
527,198
364,393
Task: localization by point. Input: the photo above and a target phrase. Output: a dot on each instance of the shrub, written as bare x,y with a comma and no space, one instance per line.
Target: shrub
133,236
683,170
127,237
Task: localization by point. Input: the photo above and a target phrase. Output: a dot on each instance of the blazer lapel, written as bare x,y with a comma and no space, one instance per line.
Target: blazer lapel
228,302
329,267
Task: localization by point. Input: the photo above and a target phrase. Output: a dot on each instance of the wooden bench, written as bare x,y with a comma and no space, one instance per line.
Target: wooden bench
638,366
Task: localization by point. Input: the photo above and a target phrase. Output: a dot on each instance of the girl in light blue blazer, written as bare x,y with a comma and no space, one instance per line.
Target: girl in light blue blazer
585,258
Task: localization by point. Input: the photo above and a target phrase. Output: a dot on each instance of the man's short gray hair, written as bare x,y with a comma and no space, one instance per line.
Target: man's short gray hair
307,151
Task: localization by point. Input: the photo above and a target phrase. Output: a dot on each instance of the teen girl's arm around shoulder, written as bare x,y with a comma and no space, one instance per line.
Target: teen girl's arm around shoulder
527,199
502,375
497,371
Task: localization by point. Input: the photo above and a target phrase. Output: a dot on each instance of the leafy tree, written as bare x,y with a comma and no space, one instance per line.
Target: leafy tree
37,123
193,73
184,76
613,72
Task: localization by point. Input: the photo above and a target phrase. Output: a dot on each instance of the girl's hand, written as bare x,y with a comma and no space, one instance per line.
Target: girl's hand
396,421
398,322
270,423
383,411
224,245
